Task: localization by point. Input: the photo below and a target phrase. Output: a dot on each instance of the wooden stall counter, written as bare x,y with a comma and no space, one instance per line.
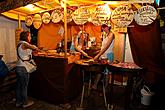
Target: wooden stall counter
56,80
124,68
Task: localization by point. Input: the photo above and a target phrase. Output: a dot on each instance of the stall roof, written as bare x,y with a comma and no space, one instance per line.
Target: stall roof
12,9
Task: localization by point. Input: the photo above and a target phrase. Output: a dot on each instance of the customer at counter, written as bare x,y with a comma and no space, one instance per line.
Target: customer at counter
80,43
24,52
106,52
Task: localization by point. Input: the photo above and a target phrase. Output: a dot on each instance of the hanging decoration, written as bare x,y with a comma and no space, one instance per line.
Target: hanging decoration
69,17
145,15
37,21
103,13
46,17
95,19
122,16
28,20
56,16
81,15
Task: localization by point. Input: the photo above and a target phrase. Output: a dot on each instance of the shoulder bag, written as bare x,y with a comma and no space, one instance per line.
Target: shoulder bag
30,65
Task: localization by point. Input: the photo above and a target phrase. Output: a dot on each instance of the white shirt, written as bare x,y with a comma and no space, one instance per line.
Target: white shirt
109,50
24,54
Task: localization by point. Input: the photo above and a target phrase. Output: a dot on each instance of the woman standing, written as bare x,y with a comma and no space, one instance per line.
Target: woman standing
106,51
24,53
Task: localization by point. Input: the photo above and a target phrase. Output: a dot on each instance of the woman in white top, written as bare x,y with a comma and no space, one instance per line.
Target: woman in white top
106,51
24,52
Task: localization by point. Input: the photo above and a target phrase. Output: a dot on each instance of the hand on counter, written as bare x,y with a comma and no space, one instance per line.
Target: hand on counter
72,58
89,57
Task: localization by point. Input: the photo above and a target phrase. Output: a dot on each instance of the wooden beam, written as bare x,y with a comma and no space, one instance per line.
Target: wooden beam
65,27
7,5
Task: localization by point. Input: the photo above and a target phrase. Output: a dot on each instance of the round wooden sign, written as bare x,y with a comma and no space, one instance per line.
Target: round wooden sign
122,16
69,16
37,21
46,17
56,16
145,15
94,19
28,20
103,13
81,15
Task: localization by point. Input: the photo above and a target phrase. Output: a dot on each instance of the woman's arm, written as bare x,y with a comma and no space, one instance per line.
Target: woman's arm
30,46
79,49
110,39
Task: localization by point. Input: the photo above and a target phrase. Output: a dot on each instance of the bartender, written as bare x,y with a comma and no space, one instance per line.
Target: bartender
80,43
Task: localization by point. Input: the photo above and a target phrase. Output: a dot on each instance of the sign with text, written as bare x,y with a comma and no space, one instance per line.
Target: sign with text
145,15
81,15
122,16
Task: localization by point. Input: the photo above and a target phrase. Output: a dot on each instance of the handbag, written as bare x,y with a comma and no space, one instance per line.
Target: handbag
30,65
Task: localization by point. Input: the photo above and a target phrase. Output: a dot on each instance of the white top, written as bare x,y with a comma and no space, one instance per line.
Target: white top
24,54
109,50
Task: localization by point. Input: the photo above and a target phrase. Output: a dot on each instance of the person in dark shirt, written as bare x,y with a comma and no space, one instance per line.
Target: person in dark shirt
3,68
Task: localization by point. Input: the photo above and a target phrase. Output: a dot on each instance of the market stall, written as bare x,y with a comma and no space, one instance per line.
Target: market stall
59,24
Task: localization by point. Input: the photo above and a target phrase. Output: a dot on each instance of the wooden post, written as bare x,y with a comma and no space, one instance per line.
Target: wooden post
65,28
125,34
18,30
19,22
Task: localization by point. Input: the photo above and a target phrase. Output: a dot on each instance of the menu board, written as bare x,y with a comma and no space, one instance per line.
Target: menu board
56,16
145,15
46,18
122,16
103,13
37,21
81,15
69,17
28,20
94,19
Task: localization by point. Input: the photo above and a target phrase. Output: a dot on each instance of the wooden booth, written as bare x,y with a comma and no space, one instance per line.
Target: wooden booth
57,79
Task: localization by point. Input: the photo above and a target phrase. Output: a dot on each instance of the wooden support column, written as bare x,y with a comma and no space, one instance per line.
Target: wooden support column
18,31
65,28
19,21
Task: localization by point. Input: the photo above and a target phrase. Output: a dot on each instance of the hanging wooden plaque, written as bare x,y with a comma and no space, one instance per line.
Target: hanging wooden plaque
145,15
122,16
46,17
81,15
56,16
28,20
37,21
103,13
69,16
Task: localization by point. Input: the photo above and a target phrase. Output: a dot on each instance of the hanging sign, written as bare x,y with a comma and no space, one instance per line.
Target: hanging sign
103,13
94,19
81,15
28,20
122,16
37,21
56,16
145,15
46,17
69,17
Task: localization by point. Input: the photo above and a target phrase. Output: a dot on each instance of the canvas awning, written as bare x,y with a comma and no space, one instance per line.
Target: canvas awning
12,9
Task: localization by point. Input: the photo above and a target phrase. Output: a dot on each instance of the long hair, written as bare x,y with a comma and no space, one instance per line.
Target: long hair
24,36
104,26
